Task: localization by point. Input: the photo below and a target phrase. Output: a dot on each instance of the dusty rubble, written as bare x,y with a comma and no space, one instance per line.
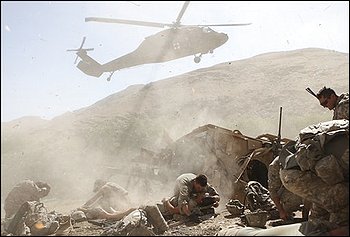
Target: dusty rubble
210,225
207,227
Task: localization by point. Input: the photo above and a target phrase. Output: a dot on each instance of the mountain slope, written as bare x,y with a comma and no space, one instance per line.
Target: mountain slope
244,95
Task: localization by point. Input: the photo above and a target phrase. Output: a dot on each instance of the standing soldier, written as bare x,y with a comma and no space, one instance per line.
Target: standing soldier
340,104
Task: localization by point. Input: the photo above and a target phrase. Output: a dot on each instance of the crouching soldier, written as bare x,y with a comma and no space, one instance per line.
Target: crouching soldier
317,170
23,204
192,193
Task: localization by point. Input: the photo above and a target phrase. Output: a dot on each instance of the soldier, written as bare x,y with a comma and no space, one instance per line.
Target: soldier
340,104
317,170
109,202
285,201
24,191
190,191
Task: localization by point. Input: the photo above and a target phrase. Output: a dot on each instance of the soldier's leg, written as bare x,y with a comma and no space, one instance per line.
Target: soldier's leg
344,162
306,208
333,198
290,202
171,205
318,213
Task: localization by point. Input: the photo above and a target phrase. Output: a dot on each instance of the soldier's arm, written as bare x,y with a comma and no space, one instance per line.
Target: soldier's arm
212,191
94,199
342,109
275,184
274,181
283,214
41,189
183,200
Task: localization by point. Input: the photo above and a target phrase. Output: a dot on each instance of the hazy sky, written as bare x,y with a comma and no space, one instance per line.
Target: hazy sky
39,78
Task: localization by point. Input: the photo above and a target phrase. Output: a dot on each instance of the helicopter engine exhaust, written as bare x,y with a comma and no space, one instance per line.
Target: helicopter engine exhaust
91,68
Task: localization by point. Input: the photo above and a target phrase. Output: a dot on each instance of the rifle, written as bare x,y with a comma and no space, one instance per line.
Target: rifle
279,127
311,92
277,143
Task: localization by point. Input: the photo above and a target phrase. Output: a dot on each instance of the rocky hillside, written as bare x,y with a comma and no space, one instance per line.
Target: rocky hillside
71,150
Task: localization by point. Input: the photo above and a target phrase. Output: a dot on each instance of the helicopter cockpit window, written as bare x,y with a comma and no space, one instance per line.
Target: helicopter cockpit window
206,30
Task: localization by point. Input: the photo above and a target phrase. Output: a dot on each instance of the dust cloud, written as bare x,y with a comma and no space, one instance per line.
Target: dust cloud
135,138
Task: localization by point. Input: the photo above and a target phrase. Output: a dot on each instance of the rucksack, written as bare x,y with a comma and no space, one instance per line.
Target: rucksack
258,197
324,132
324,149
32,218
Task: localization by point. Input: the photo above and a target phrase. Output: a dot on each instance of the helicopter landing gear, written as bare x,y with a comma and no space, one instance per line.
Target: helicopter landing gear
197,59
110,76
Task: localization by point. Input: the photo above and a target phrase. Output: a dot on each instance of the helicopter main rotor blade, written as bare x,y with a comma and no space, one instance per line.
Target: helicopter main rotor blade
80,49
130,22
184,7
241,24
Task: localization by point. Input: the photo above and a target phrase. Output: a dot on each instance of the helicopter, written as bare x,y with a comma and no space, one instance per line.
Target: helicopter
177,41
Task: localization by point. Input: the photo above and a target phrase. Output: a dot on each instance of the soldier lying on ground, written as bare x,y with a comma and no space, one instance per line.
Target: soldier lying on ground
110,201
191,191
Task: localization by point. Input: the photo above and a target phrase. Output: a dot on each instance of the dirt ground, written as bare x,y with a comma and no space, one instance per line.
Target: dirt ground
208,227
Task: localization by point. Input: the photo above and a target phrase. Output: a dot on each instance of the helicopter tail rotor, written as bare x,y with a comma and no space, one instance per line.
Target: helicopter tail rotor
80,50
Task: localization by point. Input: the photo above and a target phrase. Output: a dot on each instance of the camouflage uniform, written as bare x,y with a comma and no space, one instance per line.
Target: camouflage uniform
341,109
184,192
331,198
290,202
25,191
322,175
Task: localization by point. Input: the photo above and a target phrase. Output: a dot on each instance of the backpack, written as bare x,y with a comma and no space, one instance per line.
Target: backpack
32,218
258,197
324,149
286,156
